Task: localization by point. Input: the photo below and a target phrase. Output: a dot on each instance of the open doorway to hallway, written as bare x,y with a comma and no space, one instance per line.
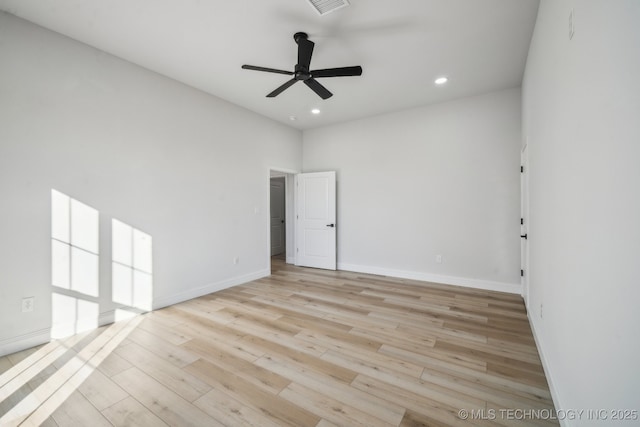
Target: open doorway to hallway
281,215
278,216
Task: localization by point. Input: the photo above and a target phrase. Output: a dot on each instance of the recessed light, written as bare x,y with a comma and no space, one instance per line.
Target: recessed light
441,80
293,118
315,111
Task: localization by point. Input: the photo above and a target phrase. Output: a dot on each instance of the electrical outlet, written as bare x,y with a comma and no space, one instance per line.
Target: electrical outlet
27,304
236,260
439,259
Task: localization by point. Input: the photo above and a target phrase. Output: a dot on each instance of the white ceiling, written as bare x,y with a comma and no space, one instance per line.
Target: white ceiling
402,45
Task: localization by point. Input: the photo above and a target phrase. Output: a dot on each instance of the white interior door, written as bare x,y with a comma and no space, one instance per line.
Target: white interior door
277,216
316,220
524,224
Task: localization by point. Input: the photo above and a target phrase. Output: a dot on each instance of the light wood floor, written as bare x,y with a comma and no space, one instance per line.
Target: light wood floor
303,347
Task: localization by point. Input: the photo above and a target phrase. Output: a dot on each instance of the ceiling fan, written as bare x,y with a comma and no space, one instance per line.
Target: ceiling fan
302,73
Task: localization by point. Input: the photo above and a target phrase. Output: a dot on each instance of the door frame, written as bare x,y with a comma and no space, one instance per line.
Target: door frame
289,205
525,221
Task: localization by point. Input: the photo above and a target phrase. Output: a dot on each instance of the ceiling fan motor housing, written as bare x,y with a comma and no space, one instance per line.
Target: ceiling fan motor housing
301,74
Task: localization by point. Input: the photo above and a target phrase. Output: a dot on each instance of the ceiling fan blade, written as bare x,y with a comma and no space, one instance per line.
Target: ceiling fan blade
268,70
337,72
322,91
305,50
282,88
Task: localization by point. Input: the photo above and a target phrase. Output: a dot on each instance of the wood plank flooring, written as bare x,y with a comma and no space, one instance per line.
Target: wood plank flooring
302,347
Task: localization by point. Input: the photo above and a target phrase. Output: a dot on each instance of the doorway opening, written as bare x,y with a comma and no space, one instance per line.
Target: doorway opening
278,217
281,233
309,241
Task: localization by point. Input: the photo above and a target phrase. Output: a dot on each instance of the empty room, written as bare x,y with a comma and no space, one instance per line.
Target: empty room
319,213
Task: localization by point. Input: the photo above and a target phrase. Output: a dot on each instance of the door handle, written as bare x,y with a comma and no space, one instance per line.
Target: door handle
331,225
524,236
282,221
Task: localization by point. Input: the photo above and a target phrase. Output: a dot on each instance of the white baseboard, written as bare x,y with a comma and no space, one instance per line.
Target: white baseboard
291,260
546,368
488,285
204,290
32,339
23,342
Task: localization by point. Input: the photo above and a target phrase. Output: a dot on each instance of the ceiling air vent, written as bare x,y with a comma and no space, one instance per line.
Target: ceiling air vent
326,6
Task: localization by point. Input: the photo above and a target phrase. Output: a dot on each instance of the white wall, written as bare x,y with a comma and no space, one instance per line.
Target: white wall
185,167
581,118
441,179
